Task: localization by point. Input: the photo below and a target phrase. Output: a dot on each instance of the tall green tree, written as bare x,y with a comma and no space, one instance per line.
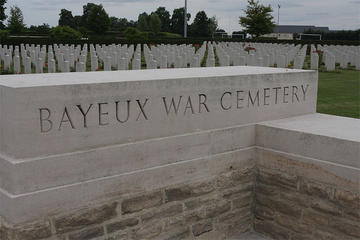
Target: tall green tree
258,19
155,23
16,20
78,22
120,24
164,16
213,25
66,18
2,13
143,22
201,25
86,12
177,21
98,20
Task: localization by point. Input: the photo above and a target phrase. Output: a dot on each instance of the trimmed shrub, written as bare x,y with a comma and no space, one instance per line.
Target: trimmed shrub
64,33
168,35
133,34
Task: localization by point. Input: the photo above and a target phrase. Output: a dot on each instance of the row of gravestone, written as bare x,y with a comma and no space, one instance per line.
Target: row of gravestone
66,58
344,55
261,54
177,56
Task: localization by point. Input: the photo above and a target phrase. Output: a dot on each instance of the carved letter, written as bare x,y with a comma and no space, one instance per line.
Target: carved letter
117,112
304,90
276,93
101,113
203,102
250,99
176,108
142,111
221,102
43,119
239,99
285,94
66,118
266,96
189,105
84,113
294,93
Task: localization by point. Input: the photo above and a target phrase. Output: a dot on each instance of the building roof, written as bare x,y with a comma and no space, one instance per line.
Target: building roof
298,28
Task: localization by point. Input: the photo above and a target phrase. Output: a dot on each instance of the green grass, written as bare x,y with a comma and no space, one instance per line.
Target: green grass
339,93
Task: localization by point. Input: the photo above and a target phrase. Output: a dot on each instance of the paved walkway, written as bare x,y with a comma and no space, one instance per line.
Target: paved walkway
251,236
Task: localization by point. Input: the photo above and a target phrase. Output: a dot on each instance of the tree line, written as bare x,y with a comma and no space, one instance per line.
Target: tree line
95,20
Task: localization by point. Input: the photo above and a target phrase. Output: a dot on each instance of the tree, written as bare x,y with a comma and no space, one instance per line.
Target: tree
120,24
42,29
213,25
66,18
177,21
201,25
132,23
98,20
113,23
16,20
86,12
2,13
164,16
143,22
78,22
155,23
258,19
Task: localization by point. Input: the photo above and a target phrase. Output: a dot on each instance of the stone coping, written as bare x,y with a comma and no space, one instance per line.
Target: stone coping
56,79
321,124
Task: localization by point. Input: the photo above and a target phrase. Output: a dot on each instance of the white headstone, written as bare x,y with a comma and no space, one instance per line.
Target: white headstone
314,61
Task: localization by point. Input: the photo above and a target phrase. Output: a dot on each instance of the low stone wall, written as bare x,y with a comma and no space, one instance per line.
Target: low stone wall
182,154
292,204
216,208
274,194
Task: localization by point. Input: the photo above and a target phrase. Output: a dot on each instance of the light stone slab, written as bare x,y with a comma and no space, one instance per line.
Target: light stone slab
45,109
19,177
319,136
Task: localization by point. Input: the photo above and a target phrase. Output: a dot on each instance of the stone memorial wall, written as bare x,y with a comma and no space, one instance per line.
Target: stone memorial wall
204,153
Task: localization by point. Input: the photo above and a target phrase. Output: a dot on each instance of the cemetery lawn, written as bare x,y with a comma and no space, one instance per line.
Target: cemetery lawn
339,93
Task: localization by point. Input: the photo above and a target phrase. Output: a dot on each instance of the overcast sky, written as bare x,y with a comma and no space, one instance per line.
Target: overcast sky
335,14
